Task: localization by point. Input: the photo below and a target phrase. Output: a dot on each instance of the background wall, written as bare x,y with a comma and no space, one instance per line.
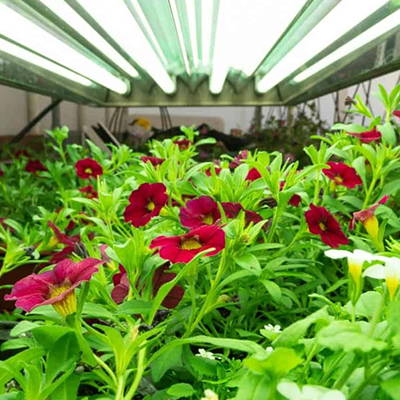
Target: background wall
18,107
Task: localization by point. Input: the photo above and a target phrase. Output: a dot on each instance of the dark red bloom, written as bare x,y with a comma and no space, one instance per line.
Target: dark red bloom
232,210
396,113
238,159
153,160
55,287
160,277
146,203
34,166
342,174
253,175
183,144
364,215
321,222
183,248
70,242
89,191
295,200
367,136
1,172
21,153
198,212
88,168
5,225
217,171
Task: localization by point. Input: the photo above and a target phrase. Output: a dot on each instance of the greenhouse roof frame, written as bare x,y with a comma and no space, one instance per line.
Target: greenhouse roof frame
187,52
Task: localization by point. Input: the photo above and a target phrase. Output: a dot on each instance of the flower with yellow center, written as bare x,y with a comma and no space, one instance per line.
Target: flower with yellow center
390,272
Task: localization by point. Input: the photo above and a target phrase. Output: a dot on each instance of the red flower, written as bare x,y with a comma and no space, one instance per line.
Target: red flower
21,153
342,174
321,222
88,168
369,212
34,166
367,136
295,200
253,175
146,203
232,210
70,242
89,191
183,248
198,212
153,160
217,171
396,113
55,287
160,277
238,159
183,144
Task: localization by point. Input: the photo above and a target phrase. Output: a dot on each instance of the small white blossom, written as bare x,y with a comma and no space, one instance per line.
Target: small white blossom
292,391
269,349
206,354
273,328
209,395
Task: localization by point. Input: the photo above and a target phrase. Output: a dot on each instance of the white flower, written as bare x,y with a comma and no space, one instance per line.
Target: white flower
206,354
269,349
209,395
273,328
308,392
390,272
355,260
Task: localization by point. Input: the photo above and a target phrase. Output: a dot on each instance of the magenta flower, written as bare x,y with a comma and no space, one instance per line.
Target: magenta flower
198,212
55,287
152,160
396,113
183,248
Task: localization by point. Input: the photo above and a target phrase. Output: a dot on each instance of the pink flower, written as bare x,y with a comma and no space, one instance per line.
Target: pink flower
146,203
200,211
183,248
55,287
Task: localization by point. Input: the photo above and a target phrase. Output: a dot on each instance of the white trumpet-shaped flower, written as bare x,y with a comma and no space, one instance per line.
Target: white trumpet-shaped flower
355,260
390,272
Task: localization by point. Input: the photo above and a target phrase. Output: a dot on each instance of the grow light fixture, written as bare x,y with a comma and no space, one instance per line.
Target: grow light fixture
246,32
364,38
191,13
26,55
179,32
207,18
21,30
75,21
120,24
345,16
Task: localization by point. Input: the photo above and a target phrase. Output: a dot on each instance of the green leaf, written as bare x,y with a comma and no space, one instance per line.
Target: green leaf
68,390
62,356
293,333
22,327
255,387
132,307
278,363
248,262
273,289
181,390
169,359
46,336
353,128
366,304
388,133
347,336
97,311
392,387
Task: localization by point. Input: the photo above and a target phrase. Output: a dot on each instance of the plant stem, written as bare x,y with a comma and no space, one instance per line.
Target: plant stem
210,296
346,373
139,374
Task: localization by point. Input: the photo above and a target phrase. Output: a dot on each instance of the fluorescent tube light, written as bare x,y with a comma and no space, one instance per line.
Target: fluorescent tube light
116,18
246,32
207,18
25,32
179,32
26,55
341,19
75,21
367,36
191,13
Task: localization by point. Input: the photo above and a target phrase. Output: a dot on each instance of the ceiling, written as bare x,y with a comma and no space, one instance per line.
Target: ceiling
195,52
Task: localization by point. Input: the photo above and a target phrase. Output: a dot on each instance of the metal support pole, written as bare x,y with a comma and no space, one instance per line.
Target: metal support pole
55,115
21,134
